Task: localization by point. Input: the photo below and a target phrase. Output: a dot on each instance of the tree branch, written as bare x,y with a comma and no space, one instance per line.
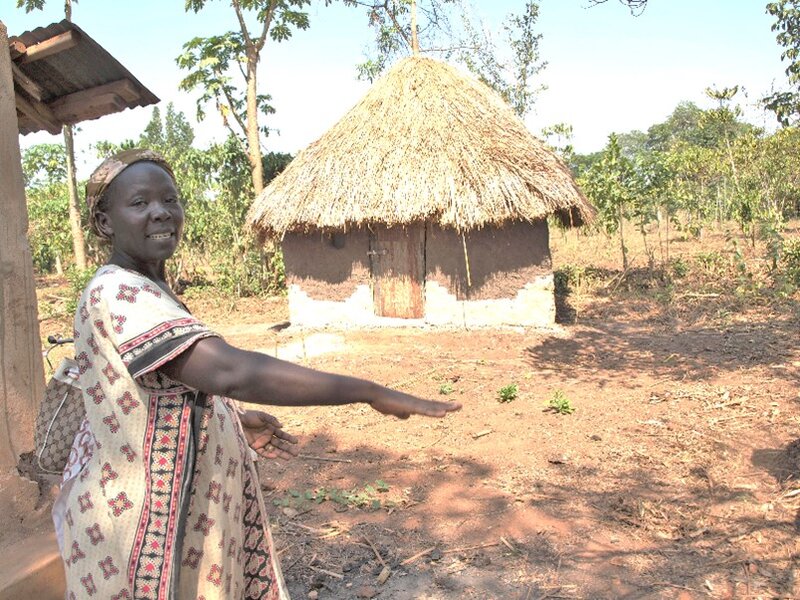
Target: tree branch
242,25
636,6
232,106
267,23
396,24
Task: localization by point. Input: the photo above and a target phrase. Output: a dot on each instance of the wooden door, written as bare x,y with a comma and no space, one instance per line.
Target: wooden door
397,257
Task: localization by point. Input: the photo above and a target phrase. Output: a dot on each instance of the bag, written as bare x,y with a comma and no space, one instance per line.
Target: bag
60,416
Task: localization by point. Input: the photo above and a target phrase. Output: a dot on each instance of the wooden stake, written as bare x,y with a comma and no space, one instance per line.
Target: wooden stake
466,259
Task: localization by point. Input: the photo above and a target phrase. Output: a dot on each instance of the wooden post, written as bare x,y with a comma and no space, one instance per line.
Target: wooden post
21,368
414,32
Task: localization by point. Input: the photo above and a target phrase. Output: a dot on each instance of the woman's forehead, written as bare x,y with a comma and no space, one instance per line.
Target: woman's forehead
142,176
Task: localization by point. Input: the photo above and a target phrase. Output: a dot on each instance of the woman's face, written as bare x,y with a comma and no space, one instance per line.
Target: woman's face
144,218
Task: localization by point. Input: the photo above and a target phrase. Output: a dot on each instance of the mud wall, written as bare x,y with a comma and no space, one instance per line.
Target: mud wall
501,260
327,266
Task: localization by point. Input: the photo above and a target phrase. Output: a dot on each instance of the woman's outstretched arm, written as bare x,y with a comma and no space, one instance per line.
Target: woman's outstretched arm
216,367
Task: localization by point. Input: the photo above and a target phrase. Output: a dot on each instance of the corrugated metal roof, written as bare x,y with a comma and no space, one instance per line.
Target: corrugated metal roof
74,78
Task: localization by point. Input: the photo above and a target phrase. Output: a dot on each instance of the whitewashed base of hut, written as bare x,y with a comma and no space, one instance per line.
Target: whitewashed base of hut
532,306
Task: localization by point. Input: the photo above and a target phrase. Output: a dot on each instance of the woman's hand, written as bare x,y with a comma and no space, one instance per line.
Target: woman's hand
265,436
398,404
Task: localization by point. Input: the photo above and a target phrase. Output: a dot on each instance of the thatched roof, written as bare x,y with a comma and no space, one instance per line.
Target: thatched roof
425,143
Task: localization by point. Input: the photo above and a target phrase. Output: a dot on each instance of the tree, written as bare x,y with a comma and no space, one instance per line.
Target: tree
44,168
612,185
397,30
78,239
510,70
512,78
212,63
153,135
786,104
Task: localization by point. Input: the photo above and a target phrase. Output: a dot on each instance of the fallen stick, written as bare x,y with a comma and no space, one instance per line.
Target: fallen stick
411,559
507,544
325,458
468,548
375,550
676,586
697,295
326,572
480,434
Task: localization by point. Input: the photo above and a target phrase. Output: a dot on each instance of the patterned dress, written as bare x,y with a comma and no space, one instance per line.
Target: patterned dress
161,497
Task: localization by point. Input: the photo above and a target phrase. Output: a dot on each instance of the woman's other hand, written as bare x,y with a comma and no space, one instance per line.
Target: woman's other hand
398,404
265,436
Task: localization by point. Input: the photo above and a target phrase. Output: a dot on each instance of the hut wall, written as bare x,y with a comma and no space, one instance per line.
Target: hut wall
510,279
328,278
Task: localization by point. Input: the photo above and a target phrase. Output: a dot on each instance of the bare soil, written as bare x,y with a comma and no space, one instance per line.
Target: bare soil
675,477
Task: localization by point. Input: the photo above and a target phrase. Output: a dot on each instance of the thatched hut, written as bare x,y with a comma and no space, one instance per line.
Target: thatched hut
426,203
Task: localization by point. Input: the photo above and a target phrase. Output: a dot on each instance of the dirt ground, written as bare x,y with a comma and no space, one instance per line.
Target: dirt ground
676,476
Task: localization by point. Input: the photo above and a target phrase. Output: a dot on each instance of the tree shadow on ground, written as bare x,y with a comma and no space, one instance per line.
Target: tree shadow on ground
577,534
602,351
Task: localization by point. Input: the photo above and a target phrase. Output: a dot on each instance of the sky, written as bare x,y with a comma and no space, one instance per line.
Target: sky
607,71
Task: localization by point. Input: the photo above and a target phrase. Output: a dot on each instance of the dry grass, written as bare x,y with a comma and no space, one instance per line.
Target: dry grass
425,143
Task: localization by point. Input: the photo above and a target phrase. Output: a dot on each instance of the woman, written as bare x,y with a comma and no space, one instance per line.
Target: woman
161,497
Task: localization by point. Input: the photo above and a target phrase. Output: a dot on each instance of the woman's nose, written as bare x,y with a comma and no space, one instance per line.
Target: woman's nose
160,212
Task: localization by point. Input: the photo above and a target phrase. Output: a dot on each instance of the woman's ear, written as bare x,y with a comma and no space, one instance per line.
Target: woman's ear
104,224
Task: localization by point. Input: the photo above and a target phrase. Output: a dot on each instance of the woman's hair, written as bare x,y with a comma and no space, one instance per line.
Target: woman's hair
102,177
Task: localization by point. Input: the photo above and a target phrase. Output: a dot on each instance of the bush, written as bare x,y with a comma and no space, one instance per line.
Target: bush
78,280
791,261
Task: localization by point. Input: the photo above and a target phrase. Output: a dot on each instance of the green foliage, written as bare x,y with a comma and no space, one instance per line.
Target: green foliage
212,63
510,68
446,388
78,280
559,403
391,23
508,393
368,496
568,278
49,234
791,261
786,104
679,267
512,77
613,186
31,5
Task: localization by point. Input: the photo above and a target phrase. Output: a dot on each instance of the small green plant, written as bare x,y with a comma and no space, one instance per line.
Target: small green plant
568,278
560,404
679,268
508,393
365,497
712,262
446,388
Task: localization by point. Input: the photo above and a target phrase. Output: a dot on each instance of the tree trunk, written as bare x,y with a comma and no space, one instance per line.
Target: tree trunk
253,141
78,241
622,240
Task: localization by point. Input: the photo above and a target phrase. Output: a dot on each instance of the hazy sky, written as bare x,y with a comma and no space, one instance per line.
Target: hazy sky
607,71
